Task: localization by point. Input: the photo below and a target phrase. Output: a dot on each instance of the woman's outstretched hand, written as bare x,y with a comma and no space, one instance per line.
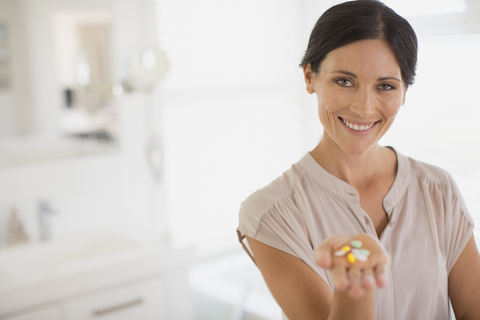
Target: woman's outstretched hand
359,277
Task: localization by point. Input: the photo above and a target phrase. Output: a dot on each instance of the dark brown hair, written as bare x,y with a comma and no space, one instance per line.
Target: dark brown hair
360,20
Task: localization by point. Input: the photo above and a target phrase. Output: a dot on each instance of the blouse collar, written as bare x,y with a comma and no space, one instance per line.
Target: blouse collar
332,184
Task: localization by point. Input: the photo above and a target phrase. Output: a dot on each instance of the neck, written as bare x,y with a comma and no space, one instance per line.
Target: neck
356,170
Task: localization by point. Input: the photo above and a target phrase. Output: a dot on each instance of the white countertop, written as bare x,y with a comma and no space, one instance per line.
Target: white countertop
26,280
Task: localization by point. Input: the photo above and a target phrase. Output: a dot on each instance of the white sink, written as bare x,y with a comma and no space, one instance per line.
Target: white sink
43,259
39,274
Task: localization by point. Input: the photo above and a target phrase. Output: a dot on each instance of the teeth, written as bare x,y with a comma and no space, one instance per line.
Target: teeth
356,127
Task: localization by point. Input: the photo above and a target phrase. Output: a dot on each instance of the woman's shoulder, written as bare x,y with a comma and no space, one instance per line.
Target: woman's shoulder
263,200
278,189
426,171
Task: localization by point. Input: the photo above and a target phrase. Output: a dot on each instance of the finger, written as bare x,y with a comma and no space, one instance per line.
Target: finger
323,257
355,275
356,290
324,252
381,275
340,278
368,281
381,267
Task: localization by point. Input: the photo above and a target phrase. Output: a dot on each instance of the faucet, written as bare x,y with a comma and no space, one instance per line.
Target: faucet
44,214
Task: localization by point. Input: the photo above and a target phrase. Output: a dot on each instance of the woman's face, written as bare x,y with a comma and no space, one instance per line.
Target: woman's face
360,89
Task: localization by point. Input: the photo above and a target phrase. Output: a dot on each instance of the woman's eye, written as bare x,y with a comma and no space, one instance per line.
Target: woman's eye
385,87
344,82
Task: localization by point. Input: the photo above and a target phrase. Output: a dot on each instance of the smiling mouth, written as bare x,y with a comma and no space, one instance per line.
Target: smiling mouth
356,127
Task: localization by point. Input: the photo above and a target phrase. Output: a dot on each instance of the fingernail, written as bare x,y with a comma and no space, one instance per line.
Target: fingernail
369,282
325,260
356,293
383,279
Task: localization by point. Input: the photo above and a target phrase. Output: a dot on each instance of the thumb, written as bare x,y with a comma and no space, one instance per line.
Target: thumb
323,257
323,254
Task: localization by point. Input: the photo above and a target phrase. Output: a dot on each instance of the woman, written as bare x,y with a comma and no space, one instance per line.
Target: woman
408,215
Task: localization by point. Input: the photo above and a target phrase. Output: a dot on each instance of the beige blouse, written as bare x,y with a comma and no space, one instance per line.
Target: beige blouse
428,229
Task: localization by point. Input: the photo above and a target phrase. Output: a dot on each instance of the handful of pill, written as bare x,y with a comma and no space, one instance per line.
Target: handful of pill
353,252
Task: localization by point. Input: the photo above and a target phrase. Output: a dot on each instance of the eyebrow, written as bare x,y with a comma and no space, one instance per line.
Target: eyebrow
356,77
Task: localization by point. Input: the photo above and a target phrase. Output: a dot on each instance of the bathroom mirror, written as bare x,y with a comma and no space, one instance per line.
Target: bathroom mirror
56,79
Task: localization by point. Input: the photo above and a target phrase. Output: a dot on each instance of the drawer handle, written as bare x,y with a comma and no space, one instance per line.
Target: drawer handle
125,305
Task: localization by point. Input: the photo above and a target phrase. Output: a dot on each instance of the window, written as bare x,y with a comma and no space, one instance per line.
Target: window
427,7
230,105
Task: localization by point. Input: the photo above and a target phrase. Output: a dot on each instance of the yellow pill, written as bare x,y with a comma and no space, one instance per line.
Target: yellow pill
351,258
346,249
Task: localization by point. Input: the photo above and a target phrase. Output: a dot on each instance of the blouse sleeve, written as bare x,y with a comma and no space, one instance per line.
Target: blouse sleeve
281,227
459,225
453,223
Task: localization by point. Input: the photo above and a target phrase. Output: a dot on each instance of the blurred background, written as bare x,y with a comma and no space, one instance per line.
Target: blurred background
132,130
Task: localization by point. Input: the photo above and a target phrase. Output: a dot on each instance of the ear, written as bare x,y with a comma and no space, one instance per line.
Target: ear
404,98
309,76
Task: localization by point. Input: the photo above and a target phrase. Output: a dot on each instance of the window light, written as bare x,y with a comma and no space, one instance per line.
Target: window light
426,7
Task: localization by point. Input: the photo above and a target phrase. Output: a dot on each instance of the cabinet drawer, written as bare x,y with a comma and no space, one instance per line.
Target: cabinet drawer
45,314
141,300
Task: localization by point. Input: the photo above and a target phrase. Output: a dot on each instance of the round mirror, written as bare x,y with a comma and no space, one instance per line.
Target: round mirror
148,63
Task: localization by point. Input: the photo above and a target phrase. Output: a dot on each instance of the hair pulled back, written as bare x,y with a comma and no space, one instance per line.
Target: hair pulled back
361,20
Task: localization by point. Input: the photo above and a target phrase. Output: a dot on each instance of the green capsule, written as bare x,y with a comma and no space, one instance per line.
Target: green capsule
365,252
356,244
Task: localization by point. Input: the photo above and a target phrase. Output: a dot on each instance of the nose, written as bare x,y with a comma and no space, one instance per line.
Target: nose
364,103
